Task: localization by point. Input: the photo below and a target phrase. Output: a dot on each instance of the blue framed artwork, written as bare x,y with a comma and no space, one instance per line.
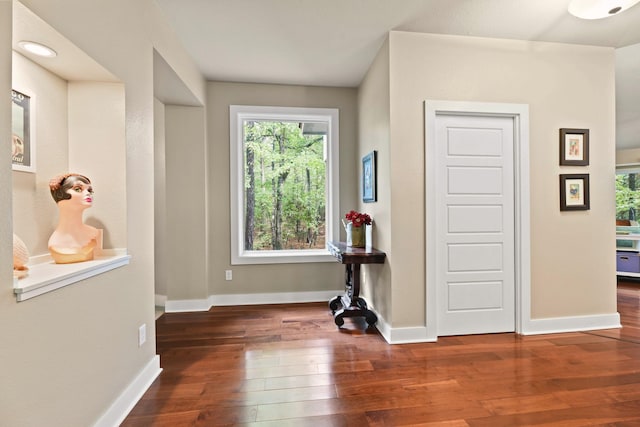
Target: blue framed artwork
369,183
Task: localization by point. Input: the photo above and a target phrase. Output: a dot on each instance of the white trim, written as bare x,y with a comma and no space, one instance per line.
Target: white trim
46,276
383,326
573,324
187,305
401,335
520,115
274,298
178,306
536,327
237,115
410,335
623,167
125,402
160,300
283,256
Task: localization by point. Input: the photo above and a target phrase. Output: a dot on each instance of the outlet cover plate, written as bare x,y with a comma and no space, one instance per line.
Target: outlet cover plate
142,334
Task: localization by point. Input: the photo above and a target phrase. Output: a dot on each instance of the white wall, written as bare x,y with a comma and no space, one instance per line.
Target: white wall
277,278
6,187
160,203
79,127
374,133
186,202
97,148
565,86
35,214
69,354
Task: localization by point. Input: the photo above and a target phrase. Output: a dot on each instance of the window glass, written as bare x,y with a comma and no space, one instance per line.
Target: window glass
628,194
284,183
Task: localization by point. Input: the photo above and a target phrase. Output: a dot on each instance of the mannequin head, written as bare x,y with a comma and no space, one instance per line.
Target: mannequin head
72,186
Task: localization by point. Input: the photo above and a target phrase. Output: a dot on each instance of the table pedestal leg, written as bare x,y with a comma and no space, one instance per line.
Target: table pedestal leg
351,302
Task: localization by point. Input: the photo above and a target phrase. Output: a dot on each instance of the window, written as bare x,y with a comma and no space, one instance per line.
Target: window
284,184
628,193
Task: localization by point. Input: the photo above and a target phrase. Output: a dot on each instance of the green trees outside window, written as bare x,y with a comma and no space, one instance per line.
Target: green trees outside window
628,195
285,186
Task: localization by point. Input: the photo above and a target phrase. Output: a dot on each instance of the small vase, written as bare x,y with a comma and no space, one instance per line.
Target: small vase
355,235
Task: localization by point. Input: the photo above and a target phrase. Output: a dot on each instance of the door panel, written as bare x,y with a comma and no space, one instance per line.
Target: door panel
474,142
475,257
475,295
473,180
478,219
475,224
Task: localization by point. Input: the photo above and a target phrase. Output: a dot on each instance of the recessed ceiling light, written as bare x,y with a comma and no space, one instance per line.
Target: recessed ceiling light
597,9
40,49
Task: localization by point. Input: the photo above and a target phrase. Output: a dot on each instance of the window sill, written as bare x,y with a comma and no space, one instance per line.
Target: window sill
283,257
46,276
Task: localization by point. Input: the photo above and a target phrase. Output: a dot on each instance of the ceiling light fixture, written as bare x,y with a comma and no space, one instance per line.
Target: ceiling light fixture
597,9
40,49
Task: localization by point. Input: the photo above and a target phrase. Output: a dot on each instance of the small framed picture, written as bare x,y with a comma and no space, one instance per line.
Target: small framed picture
369,183
574,147
23,146
574,192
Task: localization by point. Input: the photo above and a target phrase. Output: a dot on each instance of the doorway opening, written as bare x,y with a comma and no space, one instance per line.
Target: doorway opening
519,177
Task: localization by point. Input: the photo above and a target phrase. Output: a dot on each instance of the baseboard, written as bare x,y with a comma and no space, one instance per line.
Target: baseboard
415,334
534,327
121,407
411,335
382,326
160,300
572,324
273,298
186,305
401,335
177,306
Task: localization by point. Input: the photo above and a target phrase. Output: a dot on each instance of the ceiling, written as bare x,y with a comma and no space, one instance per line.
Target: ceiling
333,42
71,63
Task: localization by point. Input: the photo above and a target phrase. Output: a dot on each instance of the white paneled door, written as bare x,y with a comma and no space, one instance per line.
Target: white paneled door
475,224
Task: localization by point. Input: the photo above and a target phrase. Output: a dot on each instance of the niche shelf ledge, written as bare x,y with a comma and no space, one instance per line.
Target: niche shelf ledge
46,276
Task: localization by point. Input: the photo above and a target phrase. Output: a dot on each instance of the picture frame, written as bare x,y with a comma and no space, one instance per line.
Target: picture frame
574,147
369,178
574,192
23,145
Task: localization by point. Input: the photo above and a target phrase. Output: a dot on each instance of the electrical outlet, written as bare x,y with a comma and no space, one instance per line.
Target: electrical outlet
228,275
142,334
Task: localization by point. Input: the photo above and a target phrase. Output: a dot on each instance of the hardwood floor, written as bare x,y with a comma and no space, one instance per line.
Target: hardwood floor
289,365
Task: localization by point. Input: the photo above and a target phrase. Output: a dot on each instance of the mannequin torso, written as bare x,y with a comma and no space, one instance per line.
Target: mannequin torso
74,246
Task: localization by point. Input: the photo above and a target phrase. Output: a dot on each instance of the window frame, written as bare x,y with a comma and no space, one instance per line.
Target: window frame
238,114
626,168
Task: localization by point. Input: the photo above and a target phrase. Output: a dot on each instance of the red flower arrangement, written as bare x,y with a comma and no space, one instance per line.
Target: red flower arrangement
357,218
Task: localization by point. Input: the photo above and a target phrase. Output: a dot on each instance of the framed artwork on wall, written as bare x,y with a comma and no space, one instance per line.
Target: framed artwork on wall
574,147
23,147
574,192
369,179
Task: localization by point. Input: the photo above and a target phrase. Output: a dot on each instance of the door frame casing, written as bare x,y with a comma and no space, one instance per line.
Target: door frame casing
522,237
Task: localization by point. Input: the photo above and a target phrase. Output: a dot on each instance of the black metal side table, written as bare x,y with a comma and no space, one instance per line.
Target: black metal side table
351,304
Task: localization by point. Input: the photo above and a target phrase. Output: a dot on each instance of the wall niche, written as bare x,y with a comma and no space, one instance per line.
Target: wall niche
77,113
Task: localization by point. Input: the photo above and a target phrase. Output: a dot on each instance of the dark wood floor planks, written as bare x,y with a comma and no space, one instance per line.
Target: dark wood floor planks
289,365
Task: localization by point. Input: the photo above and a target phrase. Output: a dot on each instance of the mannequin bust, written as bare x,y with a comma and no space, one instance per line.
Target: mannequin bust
73,240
